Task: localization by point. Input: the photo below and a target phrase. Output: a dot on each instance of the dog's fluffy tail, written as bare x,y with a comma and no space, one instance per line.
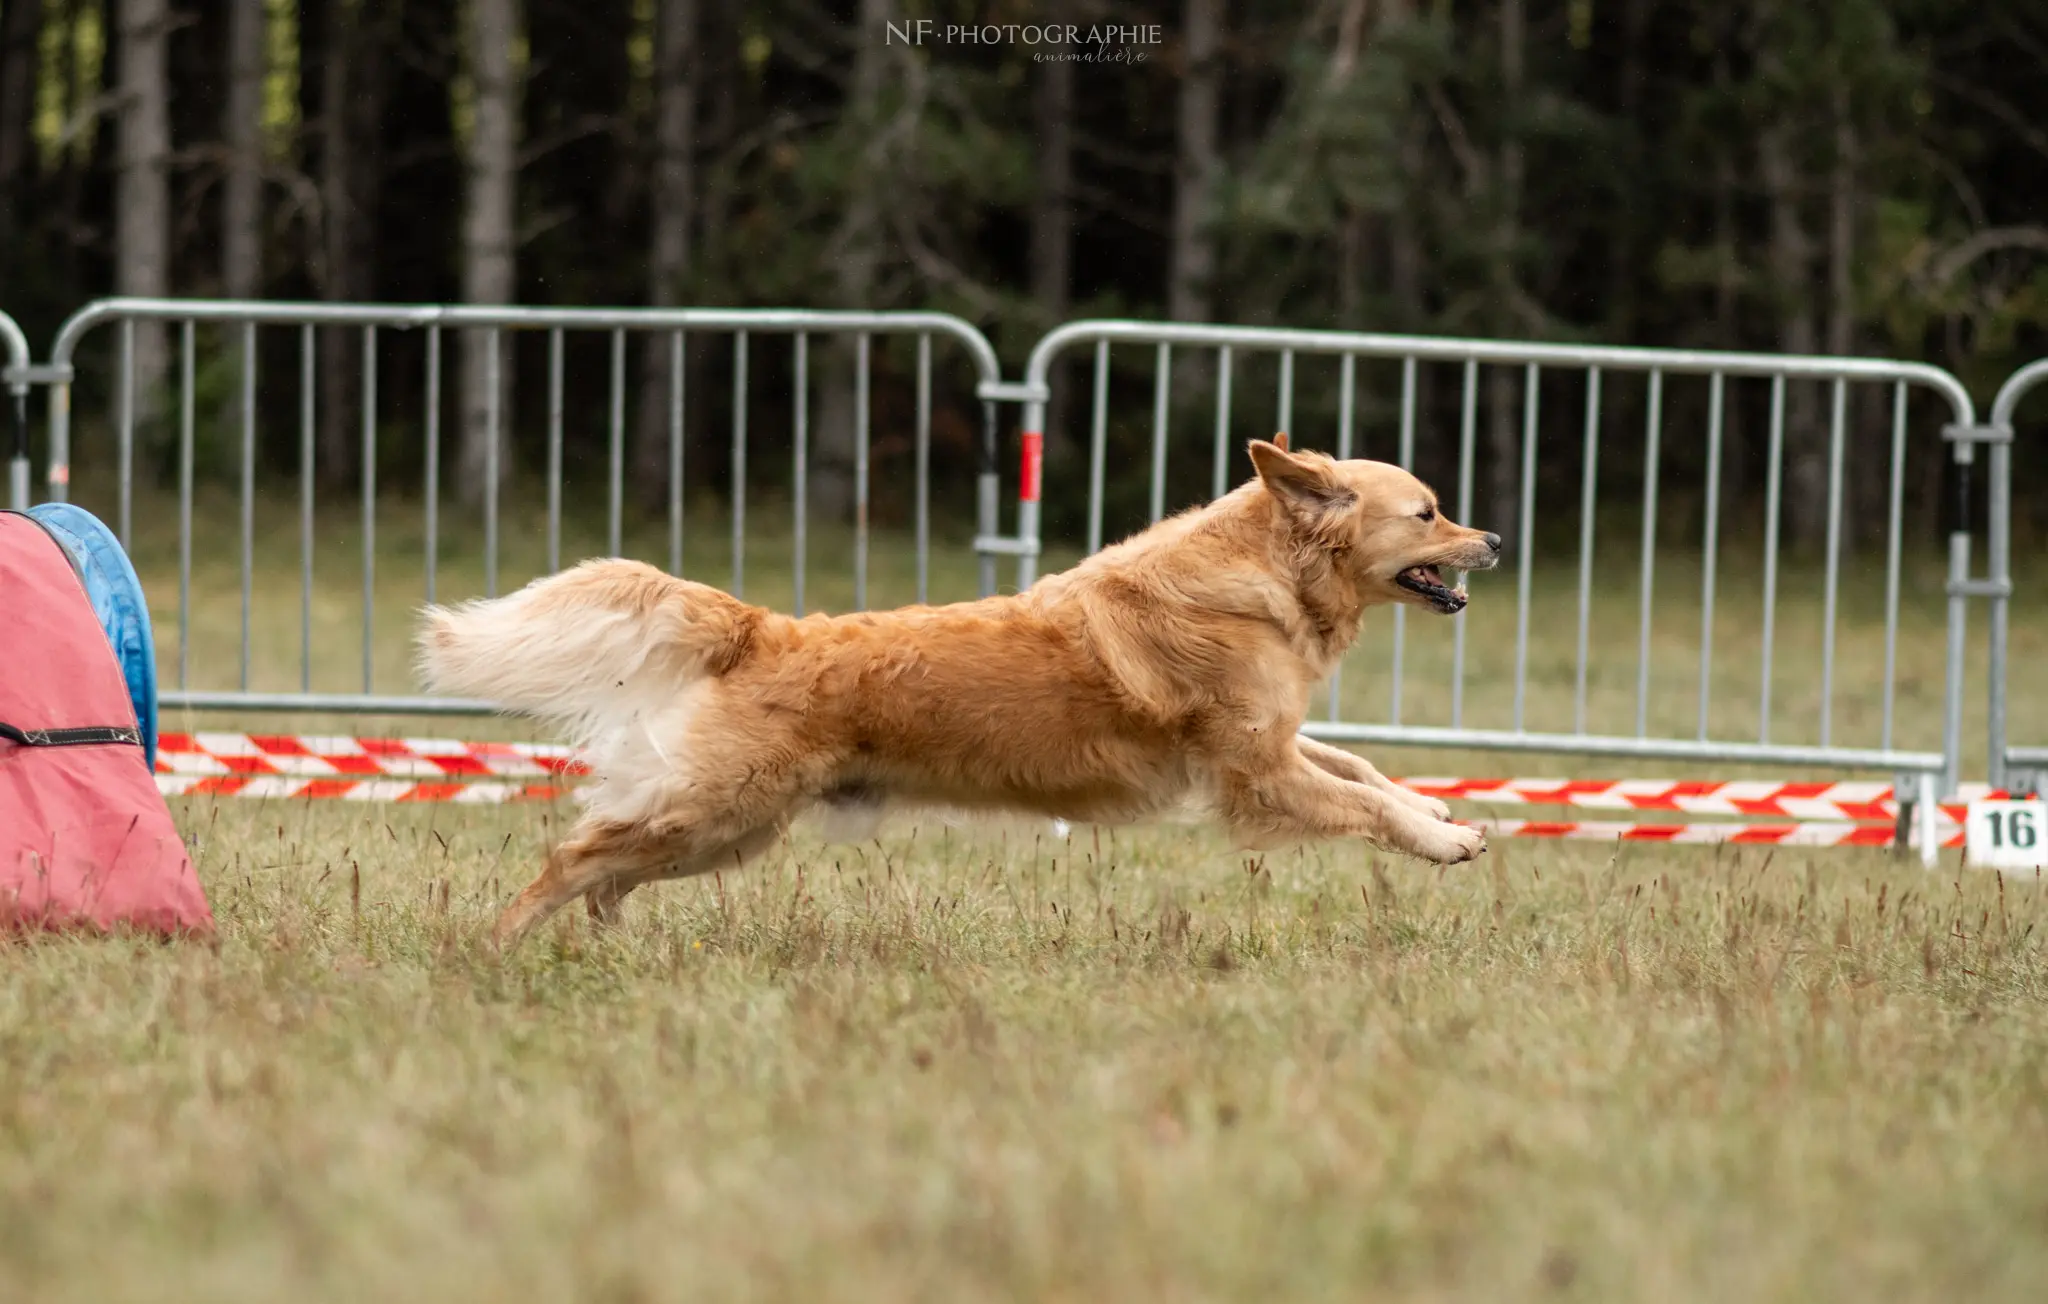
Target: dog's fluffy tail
582,648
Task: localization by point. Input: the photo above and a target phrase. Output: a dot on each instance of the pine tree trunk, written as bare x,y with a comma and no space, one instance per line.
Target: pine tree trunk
488,236
242,200
21,22
720,69
855,257
1052,222
1866,460
1735,474
354,72
1736,443
1623,273
334,64
1504,460
1791,266
1404,249
1192,253
142,196
672,201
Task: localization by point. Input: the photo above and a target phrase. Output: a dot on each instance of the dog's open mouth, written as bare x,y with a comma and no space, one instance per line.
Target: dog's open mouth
1429,582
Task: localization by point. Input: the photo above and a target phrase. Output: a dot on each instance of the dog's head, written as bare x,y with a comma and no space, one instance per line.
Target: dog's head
1378,525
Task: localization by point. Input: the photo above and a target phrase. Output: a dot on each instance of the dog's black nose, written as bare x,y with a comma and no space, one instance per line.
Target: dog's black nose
1493,542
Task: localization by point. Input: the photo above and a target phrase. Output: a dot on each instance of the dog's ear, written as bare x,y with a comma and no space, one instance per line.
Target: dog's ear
1302,483
1280,441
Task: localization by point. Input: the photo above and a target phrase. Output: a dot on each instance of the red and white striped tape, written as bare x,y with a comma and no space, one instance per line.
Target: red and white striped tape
476,792
324,756
1768,798
485,792
314,756
410,770
1814,834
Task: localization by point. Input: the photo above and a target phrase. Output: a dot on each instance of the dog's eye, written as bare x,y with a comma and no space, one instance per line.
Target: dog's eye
1427,514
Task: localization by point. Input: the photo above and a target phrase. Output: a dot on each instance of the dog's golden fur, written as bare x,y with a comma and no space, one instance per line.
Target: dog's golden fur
1172,669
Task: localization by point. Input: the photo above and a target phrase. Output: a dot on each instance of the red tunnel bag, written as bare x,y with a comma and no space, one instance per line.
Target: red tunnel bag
85,839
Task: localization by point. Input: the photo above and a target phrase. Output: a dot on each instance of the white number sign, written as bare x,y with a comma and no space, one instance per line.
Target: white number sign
2007,835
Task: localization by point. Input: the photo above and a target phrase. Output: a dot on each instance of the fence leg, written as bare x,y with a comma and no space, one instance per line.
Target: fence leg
987,489
1928,814
1958,619
1906,796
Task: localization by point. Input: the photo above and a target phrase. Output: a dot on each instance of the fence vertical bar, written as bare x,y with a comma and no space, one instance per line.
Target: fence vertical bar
1958,622
1774,476
1653,438
555,349
307,409
988,487
1284,418
125,426
185,434
615,496
739,463
248,504
1468,418
800,483
924,466
370,498
1405,450
1347,384
675,452
494,438
1710,545
1837,423
1347,406
1098,438
1894,521
1589,480
433,487
1525,514
1998,547
1162,379
861,418
1221,484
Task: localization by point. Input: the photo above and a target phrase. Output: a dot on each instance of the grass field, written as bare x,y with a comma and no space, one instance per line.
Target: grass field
978,1063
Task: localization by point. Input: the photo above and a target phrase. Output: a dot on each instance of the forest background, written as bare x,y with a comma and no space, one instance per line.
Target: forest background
1839,177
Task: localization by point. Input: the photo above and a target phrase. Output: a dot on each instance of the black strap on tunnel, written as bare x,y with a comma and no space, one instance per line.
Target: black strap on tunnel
82,736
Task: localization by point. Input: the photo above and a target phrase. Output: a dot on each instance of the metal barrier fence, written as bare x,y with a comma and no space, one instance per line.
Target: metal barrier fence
243,320
15,376
1228,347
2022,765
1360,417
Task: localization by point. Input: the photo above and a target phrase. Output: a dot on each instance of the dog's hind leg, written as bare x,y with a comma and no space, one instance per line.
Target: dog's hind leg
593,855
606,899
698,834
1356,769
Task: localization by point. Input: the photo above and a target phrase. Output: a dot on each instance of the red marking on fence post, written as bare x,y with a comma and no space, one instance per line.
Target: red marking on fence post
1031,474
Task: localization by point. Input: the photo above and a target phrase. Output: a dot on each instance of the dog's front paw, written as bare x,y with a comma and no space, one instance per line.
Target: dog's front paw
1450,844
1431,808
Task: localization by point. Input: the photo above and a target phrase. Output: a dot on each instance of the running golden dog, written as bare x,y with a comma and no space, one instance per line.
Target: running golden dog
1171,670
